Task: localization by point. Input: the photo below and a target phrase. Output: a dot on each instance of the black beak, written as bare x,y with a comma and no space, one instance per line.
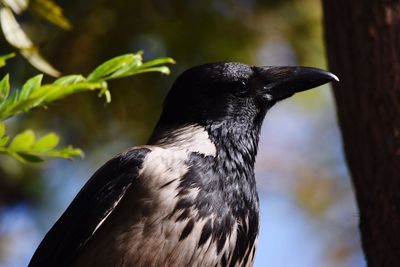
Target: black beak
282,82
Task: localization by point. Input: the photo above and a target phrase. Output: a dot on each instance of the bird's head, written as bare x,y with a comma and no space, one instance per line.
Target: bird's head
230,91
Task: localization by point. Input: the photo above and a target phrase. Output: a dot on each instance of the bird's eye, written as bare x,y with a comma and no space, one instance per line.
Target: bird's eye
241,88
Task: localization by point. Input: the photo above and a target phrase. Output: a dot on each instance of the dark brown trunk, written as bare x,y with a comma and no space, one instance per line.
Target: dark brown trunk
363,43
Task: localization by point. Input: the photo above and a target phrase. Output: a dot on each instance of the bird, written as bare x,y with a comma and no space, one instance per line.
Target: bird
188,197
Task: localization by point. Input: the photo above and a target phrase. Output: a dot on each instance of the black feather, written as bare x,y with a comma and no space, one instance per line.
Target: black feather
187,230
92,204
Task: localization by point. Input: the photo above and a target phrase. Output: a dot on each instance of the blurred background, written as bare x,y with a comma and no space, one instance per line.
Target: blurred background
308,216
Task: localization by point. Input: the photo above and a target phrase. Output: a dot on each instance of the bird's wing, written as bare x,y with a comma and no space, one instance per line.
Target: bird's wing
96,200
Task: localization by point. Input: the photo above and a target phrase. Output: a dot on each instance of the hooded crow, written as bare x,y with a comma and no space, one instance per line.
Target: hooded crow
188,197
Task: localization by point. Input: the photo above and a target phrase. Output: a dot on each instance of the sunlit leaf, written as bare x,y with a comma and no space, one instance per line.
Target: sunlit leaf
33,94
136,69
113,65
30,85
124,71
17,37
55,92
36,59
16,5
65,152
107,95
4,58
2,129
158,61
50,11
44,95
4,87
23,141
69,79
24,148
4,140
13,31
162,69
47,142
105,92
14,98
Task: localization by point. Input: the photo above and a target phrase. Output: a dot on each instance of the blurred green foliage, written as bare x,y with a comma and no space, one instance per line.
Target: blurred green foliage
17,36
33,94
50,11
3,59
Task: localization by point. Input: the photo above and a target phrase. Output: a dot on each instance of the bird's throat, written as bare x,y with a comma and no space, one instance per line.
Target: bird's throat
235,141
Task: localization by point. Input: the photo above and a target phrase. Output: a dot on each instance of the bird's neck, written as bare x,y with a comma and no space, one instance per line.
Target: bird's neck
237,145
188,137
227,149
219,186
226,140
235,141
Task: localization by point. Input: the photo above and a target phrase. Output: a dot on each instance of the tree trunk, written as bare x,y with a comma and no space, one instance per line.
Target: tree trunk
363,43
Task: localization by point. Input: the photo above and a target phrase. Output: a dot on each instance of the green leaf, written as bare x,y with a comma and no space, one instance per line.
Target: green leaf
34,95
17,6
16,36
12,30
69,152
29,158
54,92
2,129
105,92
30,85
148,66
47,142
69,79
158,61
13,98
162,69
65,152
3,59
4,87
23,141
50,11
124,71
24,148
113,65
34,57
4,140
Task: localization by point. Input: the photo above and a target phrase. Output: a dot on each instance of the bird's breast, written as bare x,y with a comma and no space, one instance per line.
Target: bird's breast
159,223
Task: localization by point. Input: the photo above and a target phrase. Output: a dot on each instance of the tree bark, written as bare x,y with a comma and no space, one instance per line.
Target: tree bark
363,45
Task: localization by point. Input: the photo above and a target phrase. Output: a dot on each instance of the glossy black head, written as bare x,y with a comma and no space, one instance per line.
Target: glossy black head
234,91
